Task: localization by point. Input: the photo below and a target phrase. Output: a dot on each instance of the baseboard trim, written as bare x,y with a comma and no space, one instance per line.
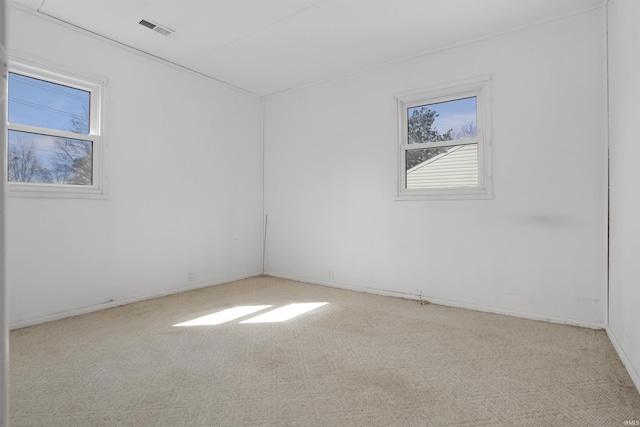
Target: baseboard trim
633,373
448,303
383,292
124,301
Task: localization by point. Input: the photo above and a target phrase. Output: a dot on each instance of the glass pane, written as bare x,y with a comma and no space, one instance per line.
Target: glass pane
442,121
49,160
48,105
442,167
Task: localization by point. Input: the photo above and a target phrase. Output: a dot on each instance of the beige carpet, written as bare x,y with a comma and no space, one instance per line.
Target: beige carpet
360,360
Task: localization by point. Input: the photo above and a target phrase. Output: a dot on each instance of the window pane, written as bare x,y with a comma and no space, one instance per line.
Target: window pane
452,166
442,121
49,105
50,160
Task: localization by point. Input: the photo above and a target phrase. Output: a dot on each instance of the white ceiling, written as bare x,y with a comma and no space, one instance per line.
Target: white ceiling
268,46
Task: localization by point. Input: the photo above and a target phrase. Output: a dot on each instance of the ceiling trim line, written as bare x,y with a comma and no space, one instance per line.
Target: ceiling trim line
549,20
298,12
126,47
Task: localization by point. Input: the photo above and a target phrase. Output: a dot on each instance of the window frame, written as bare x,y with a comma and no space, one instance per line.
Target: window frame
95,87
478,88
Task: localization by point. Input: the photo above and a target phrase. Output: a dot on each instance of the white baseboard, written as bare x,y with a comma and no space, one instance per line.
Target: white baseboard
633,373
449,303
116,303
517,313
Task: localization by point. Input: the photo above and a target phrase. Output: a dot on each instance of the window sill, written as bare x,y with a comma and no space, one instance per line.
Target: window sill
466,194
40,192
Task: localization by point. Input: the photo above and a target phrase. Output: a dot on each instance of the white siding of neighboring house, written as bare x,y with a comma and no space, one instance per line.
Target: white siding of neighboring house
456,168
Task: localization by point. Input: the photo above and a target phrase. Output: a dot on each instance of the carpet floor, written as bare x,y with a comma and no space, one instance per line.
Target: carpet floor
359,360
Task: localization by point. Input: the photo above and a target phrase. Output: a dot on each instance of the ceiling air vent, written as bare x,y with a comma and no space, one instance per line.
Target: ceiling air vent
156,27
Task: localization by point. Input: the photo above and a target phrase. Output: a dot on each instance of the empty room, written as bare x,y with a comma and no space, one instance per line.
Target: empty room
320,213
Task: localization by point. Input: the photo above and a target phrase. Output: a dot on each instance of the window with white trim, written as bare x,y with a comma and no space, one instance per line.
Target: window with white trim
54,141
443,150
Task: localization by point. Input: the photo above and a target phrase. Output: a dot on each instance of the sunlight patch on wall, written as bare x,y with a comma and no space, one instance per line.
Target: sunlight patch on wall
224,315
285,313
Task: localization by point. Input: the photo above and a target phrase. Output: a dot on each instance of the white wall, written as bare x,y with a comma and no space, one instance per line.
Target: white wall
4,318
624,93
178,201
536,250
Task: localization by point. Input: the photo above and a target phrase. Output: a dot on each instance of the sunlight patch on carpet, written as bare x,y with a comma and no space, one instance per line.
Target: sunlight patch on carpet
285,313
224,316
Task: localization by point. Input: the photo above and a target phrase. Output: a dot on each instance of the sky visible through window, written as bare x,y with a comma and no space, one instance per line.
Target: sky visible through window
38,157
49,105
456,115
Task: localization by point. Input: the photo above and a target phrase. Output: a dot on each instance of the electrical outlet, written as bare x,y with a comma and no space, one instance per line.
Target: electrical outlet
192,276
331,275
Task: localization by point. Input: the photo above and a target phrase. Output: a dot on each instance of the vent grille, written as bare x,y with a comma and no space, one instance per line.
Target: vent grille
163,31
156,27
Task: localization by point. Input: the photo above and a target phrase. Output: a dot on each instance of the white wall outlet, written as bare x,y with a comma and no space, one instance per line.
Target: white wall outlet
331,275
192,276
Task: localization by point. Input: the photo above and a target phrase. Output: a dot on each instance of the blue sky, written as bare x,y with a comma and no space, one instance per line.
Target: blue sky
453,114
39,103
47,105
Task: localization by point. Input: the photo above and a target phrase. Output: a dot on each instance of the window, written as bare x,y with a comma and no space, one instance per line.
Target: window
54,144
444,143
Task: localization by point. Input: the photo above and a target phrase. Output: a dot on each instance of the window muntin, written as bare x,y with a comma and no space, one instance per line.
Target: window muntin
443,151
54,139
